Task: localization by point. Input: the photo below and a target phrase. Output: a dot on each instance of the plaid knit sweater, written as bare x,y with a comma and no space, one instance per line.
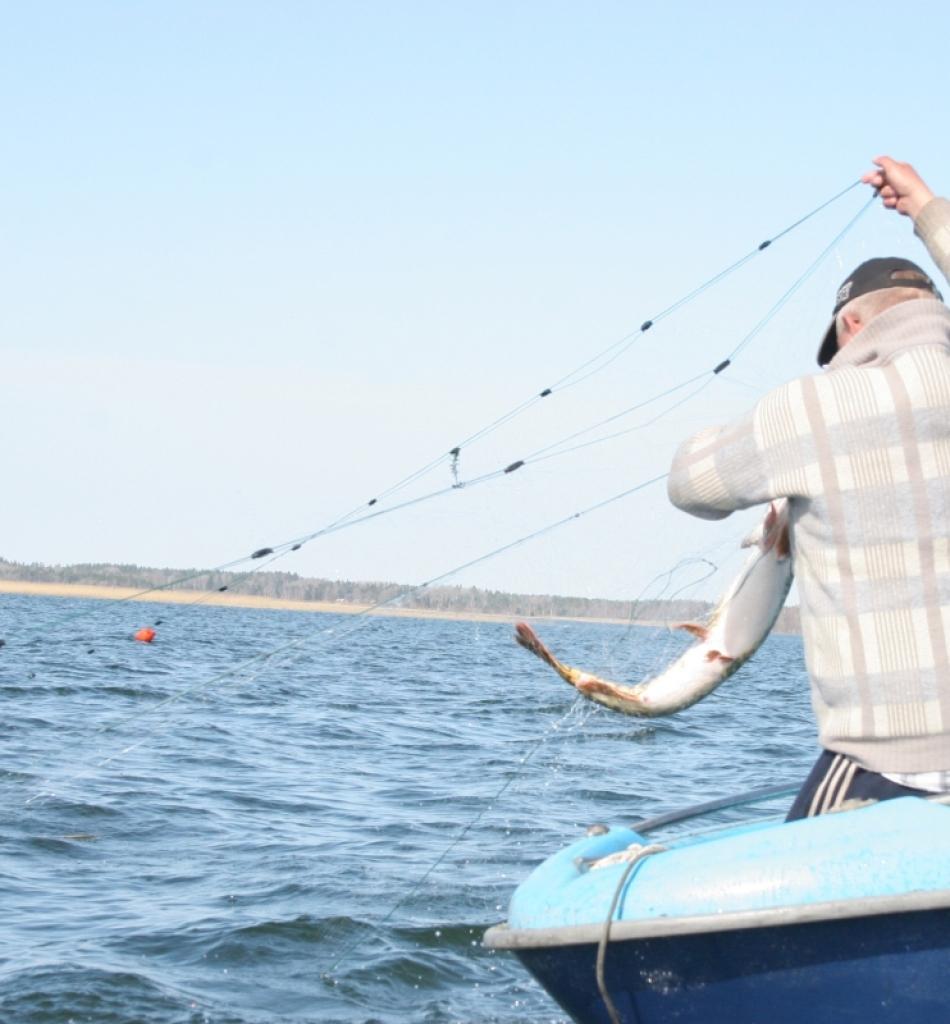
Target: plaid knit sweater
863,453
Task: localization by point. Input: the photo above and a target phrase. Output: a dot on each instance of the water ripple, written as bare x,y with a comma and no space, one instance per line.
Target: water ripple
264,851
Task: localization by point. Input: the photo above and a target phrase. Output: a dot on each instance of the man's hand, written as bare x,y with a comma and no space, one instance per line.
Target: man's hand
900,187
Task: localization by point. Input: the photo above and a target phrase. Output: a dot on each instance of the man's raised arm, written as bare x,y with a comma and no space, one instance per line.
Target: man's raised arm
902,189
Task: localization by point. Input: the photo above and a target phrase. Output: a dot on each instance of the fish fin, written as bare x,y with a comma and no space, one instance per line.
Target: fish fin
752,541
591,684
772,531
783,545
775,530
627,700
718,656
696,628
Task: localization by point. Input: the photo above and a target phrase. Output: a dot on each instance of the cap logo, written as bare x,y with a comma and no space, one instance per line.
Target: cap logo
843,293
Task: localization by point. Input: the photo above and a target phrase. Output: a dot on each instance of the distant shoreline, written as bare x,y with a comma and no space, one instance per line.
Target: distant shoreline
99,592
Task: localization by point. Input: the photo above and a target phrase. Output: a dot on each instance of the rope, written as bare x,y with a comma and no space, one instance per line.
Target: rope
608,355
260,662
801,280
640,856
548,452
351,518
707,377
629,339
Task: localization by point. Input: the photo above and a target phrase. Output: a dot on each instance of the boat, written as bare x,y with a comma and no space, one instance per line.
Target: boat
839,918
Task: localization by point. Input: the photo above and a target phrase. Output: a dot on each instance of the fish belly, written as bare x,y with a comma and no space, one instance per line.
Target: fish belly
744,620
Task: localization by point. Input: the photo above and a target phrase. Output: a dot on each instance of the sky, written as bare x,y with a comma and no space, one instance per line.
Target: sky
264,260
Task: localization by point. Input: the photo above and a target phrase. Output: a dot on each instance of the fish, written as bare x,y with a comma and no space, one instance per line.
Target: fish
735,630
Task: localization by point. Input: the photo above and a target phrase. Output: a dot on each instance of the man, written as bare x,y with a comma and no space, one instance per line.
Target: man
862,452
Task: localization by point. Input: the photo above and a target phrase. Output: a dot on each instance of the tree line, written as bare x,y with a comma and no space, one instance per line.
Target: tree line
291,586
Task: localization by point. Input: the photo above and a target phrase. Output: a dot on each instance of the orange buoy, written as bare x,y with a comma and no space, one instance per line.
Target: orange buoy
146,634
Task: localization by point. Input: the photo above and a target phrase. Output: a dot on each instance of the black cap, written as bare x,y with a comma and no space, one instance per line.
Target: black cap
872,276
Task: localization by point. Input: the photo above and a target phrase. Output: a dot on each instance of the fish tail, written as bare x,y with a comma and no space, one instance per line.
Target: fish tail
601,691
528,639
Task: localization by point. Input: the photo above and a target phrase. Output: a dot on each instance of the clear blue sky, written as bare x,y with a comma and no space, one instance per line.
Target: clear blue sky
264,259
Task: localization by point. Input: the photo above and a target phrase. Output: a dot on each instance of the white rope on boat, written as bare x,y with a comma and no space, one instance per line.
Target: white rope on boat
634,854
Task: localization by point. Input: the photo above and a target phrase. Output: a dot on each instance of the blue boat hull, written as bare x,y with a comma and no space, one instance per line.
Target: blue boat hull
892,968
840,918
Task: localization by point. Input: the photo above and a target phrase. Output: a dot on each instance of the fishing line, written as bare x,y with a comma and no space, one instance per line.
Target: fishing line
801,280
667,578
609,649
280,550
467,828
738,549
542,455
662,656
807,216
158,587
547,452
569,380
171,608
628,430
287,547
535,456
707,377
697,560
613,351
260,662
627,341
351,518
237,581
457,840
732,379
493,800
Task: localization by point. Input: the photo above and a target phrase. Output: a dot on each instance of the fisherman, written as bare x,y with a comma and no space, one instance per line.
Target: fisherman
862,452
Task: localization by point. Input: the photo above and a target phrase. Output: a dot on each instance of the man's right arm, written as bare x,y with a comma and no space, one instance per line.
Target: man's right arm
720,470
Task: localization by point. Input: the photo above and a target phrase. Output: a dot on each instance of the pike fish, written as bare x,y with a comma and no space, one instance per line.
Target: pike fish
736,629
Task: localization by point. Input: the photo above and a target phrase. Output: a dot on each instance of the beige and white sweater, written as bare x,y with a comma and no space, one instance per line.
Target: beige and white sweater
863,453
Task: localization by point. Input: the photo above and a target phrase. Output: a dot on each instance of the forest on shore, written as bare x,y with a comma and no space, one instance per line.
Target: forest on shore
292,587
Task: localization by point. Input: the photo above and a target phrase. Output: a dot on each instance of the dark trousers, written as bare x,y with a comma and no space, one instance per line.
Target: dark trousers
835,779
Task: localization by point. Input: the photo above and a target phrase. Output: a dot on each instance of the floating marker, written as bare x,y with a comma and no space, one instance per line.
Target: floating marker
145,635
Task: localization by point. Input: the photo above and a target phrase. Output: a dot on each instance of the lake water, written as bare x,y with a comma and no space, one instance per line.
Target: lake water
326,834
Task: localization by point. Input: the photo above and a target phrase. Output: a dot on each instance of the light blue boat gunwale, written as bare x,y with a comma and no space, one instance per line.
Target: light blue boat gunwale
890,857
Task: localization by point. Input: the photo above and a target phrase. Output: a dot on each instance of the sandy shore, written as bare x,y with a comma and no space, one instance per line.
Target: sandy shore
227,600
